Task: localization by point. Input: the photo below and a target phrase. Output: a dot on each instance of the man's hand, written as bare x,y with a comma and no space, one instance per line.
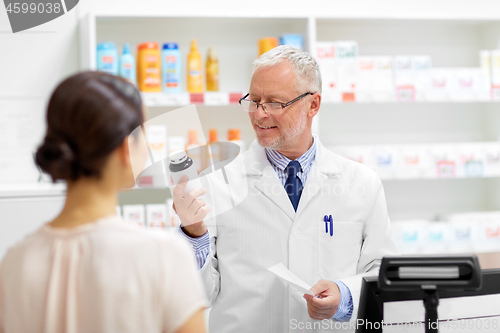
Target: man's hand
327,304
191,211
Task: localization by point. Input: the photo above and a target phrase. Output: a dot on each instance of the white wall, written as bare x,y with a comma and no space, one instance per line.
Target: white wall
31,64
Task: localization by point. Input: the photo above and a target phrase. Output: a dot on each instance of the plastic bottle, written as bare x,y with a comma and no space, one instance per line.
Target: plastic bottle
127,65
212,70
234,136
171,68
194,150
148,67
266,44
215,149
181,164
194,70
107,58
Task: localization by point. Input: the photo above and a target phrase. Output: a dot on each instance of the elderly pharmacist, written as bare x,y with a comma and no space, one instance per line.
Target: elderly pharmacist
294,185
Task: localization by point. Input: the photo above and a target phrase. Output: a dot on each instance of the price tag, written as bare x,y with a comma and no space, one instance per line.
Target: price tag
175,99
216,98
234,98
495,93
446,169
196,98
150,99
348,97
405,94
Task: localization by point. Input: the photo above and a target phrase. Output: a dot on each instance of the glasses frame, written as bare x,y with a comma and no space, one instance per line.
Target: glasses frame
283,105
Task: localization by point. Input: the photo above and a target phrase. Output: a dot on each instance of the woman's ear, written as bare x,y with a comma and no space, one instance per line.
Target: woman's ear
124,151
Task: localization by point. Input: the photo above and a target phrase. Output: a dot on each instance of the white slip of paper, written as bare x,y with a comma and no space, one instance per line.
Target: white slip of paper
283,273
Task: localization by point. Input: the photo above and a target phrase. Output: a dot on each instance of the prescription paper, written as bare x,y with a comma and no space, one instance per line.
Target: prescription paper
283,273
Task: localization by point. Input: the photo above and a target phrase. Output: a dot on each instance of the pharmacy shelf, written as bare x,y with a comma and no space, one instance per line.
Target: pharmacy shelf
183,99
225,98
452,34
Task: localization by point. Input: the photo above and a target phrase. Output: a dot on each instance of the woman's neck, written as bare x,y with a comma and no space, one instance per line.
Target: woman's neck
86,201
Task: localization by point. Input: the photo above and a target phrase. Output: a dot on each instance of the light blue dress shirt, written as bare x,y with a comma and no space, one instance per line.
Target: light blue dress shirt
279,162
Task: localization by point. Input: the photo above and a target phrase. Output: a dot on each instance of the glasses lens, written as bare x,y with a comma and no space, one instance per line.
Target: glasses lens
249,106
273,107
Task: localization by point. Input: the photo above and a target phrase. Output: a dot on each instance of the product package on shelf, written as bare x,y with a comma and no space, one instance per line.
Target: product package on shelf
360,154
470,160
325,56
444,159
485,65
413,162
491,159
294,40
386,161
421,66
409,235
475,232
134,214
495,75
404,79
155,175
440,84
484,229
427,161
346,57
468,84
375,80
157,216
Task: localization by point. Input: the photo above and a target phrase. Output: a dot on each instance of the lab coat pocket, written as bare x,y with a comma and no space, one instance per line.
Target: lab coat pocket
339,254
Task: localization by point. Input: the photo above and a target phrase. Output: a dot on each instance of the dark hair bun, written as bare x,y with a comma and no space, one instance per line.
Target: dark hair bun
89,115
56,158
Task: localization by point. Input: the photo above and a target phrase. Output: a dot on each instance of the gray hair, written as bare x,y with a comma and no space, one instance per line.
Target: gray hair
305,67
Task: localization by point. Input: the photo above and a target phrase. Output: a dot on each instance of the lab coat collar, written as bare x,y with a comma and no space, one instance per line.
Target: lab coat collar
257,166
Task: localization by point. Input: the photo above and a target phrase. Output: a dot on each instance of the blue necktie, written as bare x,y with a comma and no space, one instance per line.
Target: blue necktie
293,185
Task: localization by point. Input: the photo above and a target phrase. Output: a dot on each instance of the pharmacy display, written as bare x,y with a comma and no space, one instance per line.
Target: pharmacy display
347,75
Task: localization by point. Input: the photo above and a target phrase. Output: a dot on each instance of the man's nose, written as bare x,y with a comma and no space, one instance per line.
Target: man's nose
260,112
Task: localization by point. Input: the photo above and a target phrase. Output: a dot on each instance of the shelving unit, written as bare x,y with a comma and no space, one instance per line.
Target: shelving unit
450,43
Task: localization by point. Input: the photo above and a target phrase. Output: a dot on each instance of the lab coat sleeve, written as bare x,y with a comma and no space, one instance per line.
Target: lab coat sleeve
377,242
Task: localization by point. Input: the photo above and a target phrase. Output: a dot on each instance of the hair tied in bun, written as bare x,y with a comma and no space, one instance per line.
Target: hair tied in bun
56,157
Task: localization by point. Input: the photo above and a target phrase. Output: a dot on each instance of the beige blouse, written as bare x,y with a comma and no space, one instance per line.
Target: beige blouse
105,276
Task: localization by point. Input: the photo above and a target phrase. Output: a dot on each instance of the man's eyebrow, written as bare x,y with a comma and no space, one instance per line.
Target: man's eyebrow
272,96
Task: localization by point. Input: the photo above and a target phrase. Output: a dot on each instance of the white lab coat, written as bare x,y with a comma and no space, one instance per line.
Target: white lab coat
263,229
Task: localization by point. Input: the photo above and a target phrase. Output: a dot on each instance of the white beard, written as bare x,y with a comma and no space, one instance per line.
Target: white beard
287,139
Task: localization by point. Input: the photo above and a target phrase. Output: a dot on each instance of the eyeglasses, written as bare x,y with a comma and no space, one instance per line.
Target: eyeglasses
268,107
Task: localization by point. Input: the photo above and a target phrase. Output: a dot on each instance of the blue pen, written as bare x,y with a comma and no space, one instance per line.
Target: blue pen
331,226
326,223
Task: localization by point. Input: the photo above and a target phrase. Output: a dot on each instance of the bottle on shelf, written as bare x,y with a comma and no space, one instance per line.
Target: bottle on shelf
214,148
212,70
149,67
194,150
107,58
232,151
194,69
127,64
171,68
266,44
294,40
